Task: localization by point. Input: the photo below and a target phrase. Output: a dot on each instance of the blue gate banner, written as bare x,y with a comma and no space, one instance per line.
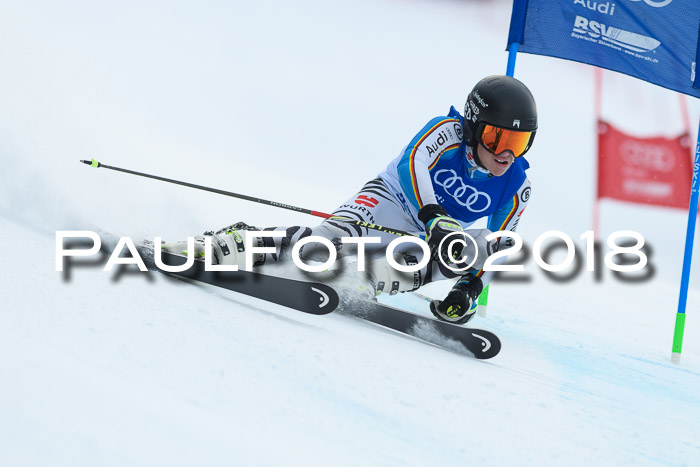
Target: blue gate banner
653,40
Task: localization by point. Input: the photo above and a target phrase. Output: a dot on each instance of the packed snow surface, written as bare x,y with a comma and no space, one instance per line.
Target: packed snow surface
302,102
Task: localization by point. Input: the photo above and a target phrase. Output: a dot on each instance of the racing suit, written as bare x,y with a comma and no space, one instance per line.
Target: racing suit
436,167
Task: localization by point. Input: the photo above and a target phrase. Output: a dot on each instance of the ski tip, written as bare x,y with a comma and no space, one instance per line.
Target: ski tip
91,163
488,344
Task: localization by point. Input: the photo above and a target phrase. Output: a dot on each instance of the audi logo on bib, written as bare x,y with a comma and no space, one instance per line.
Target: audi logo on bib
466,195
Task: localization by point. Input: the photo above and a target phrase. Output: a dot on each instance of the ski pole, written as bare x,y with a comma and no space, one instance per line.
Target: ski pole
94,163
423,297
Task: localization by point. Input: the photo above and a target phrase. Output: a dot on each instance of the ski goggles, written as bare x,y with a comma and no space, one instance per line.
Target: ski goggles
497,140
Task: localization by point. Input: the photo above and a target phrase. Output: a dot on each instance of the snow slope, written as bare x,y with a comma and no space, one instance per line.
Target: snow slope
302,102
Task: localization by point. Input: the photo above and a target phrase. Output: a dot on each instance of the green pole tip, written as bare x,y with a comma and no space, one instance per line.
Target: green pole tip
92,163
678,333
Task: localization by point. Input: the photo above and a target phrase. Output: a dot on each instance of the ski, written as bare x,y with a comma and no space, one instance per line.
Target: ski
477,342
320,299
310,297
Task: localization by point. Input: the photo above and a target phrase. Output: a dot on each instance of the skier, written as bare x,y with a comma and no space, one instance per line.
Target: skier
456,170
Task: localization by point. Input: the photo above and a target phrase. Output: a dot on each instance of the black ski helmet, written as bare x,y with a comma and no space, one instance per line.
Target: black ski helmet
500,101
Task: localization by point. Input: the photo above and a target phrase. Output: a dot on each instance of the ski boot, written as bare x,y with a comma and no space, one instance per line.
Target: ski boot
386,279
228,246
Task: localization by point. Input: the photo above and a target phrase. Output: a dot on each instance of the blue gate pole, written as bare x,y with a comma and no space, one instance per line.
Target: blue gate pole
687,256
512,52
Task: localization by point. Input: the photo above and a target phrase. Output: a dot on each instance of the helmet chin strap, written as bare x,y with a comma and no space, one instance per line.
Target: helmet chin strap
475,153
475,162
472,143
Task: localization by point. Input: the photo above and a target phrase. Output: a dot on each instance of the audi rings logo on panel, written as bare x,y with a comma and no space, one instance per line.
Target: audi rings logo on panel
467,196
647,155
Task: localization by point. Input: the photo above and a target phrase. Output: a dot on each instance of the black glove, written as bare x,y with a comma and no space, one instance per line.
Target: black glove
457,307
439,225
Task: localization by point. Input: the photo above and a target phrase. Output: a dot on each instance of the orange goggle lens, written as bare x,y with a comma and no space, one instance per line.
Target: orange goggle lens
498,140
